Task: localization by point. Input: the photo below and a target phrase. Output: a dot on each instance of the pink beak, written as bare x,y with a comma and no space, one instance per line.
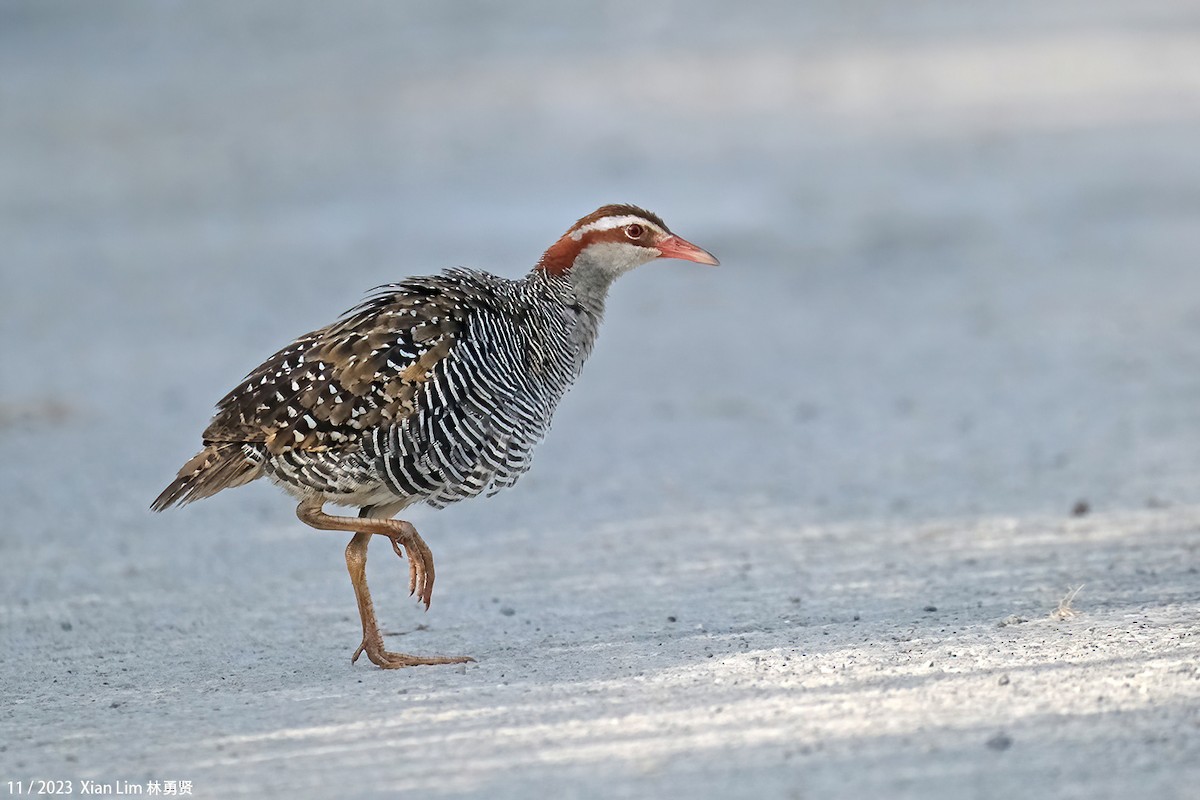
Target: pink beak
675,247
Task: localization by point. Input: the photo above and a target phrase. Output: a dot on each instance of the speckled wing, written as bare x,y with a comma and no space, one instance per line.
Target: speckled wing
363,372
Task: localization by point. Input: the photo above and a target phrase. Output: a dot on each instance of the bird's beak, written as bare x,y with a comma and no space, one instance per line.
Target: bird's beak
675,247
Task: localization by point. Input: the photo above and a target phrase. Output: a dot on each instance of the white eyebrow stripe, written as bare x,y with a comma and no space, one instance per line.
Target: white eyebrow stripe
608,223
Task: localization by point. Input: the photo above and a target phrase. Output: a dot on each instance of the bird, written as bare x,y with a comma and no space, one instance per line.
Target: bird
434,389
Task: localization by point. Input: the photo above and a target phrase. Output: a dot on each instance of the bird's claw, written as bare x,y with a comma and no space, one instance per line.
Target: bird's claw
420,566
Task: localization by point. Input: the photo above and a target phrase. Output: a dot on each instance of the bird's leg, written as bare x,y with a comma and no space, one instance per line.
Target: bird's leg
404,538
372,643
356,562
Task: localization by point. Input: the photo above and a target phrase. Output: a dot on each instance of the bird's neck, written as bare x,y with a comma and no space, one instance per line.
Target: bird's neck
589,262
584,291
580,309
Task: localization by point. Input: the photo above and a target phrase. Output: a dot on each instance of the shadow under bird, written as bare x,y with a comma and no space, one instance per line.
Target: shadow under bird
433,390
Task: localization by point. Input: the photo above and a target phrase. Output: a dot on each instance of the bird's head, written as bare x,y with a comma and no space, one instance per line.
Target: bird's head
613,240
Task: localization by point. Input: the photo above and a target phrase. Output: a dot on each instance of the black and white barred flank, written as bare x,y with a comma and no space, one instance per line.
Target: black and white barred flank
435,389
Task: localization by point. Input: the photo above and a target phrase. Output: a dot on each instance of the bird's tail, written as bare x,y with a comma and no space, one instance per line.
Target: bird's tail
216,467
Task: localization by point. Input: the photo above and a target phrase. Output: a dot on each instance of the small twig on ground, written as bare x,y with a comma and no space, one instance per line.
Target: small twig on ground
1064,610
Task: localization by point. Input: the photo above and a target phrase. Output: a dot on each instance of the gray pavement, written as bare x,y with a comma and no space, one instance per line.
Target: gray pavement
805,526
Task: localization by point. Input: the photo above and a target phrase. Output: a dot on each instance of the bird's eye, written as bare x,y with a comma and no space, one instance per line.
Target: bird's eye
634,231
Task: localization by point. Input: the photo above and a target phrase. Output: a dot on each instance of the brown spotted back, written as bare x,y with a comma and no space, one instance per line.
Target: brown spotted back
328,386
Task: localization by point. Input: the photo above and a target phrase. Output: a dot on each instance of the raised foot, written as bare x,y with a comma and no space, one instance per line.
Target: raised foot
389,660
408,544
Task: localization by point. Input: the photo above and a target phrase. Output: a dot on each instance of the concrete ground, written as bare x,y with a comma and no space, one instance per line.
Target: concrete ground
901,501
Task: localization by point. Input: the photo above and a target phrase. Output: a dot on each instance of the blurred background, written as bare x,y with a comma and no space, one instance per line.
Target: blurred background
960,247
959,242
